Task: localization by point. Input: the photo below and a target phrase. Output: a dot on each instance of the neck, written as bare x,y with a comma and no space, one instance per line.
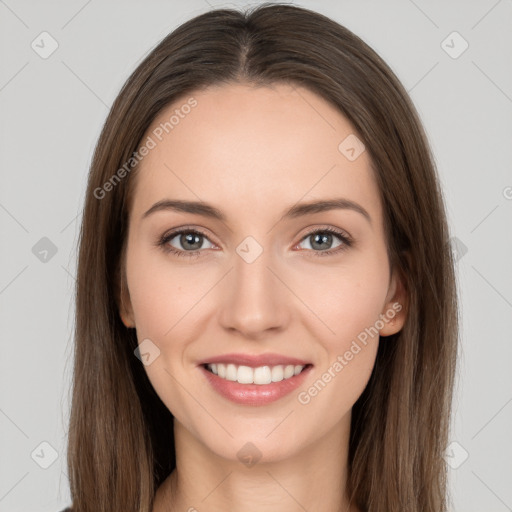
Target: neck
311,479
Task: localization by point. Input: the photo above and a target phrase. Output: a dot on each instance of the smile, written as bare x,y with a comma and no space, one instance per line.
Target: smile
260,375
254,386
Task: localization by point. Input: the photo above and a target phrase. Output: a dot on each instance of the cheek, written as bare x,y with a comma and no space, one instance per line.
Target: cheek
165,300
162,294
347,299
348,357
346,324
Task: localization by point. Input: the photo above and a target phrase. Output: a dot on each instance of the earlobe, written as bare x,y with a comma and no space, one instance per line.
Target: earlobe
393,319
128,323
124,303
395,311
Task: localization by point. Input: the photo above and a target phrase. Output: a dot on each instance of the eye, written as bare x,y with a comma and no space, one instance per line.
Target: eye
190,241
320,238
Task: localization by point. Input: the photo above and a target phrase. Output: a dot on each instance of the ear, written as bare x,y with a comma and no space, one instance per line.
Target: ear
395,308
124,301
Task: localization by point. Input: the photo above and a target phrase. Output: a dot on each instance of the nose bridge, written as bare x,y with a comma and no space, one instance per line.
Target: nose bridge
254,300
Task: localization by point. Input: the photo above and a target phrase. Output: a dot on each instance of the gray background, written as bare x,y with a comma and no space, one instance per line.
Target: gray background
52,110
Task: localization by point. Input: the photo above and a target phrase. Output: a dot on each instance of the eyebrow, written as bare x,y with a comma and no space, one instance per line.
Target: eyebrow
295,211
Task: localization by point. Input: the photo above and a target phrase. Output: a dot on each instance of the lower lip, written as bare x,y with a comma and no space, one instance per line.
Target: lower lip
255,394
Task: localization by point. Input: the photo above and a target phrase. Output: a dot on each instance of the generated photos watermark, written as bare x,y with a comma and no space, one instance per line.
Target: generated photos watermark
304,397
157,135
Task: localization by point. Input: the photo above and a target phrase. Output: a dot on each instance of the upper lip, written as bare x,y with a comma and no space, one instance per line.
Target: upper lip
254,361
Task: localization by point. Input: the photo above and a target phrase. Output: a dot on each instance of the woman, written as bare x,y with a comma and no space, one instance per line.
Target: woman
300,353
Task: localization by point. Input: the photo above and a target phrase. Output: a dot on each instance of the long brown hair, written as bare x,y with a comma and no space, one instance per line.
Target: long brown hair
121,444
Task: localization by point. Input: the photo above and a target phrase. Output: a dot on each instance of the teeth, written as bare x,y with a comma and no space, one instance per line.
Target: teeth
231,373
262,375
277,373
259,375
245,375
289,371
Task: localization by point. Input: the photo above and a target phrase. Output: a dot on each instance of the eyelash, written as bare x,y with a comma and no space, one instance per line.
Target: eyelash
163,242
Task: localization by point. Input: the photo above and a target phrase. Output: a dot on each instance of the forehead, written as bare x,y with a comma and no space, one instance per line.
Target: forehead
246,148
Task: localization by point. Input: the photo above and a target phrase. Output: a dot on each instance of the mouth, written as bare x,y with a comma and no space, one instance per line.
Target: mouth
255,385
260,375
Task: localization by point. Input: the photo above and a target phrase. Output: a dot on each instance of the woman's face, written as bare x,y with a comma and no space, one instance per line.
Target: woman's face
258,281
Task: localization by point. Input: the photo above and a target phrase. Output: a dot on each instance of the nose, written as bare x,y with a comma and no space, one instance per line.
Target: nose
253,299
